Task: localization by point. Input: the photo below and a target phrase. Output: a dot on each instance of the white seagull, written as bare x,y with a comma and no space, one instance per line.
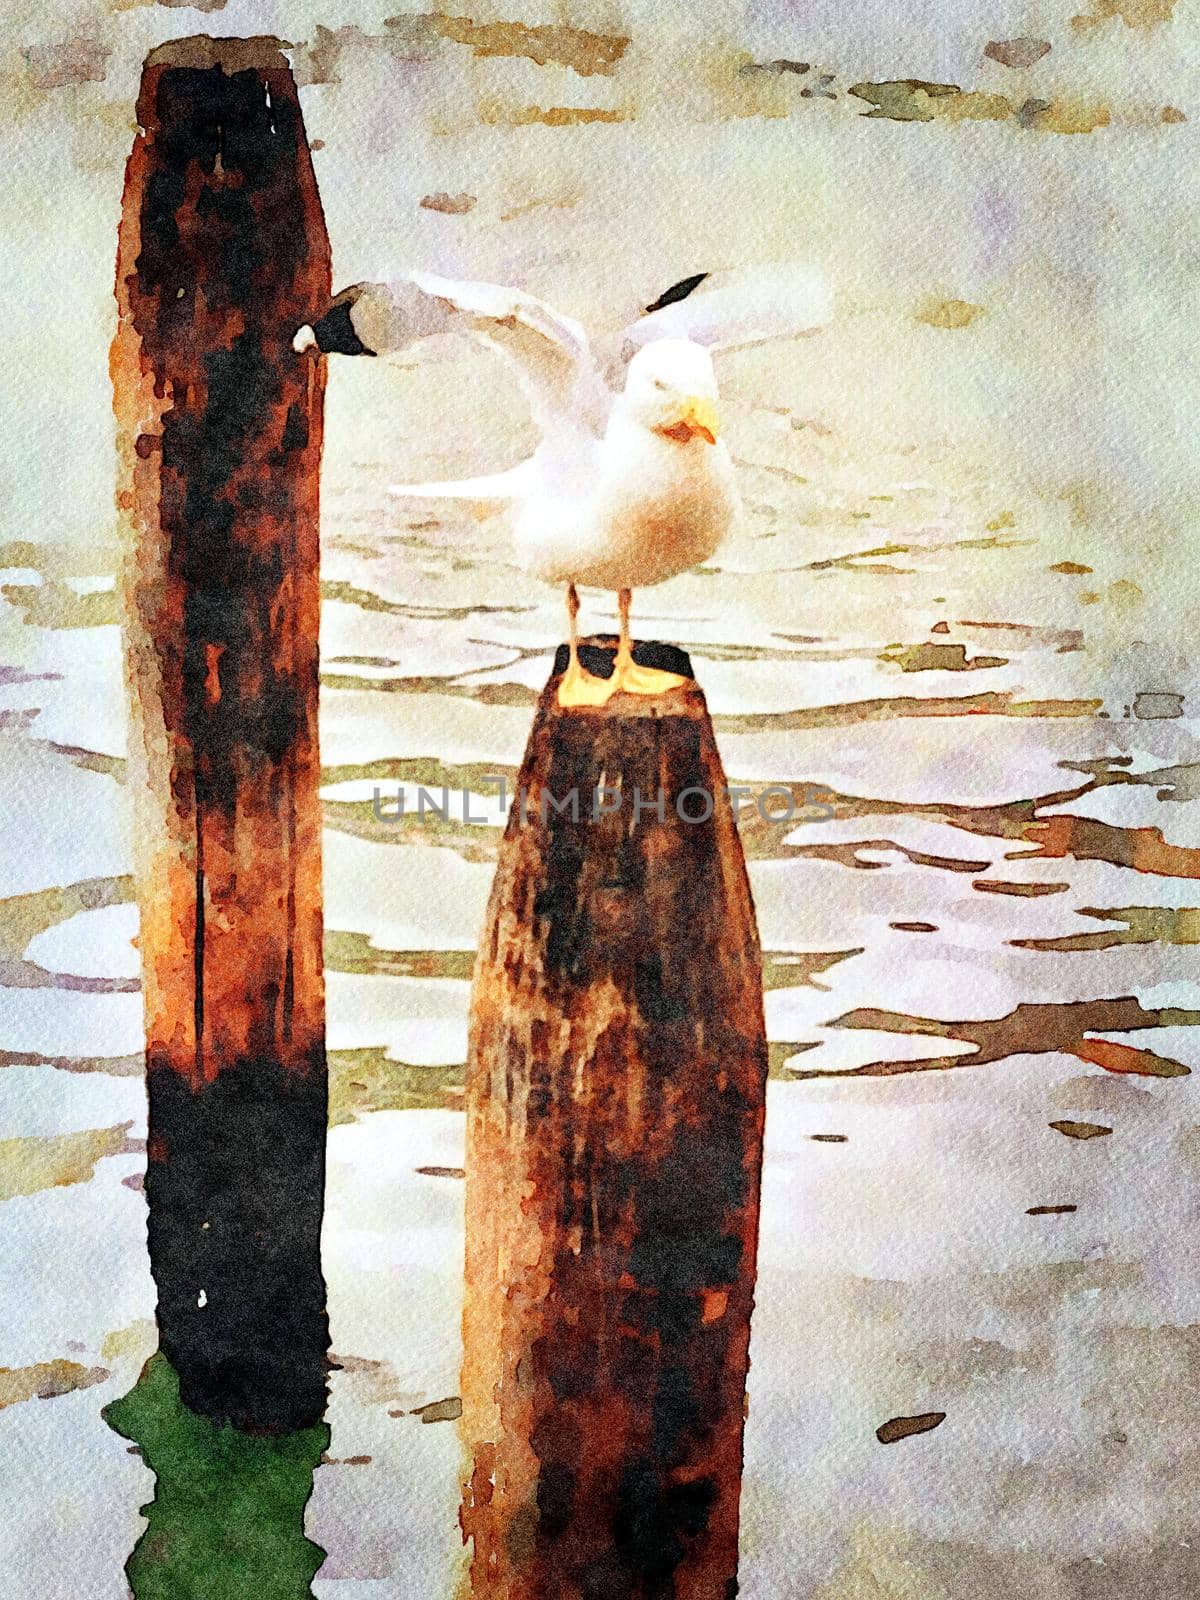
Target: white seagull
630,483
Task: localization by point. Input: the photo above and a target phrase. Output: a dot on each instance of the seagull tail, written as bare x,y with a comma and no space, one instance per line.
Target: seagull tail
494,487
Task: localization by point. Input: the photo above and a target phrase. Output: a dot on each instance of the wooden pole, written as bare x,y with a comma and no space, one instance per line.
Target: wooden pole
222,255
615,1101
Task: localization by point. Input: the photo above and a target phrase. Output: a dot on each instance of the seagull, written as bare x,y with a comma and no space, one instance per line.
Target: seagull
630,483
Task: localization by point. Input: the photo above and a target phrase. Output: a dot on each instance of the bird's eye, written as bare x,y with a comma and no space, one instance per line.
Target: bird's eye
659,384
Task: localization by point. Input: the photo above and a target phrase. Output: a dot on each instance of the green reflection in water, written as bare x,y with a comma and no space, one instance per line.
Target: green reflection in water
227,1518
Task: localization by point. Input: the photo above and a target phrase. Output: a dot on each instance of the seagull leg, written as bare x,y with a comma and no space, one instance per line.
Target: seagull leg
627,675
577,687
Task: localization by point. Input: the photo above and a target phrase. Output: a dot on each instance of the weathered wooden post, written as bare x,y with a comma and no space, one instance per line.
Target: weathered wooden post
615,1103
222,255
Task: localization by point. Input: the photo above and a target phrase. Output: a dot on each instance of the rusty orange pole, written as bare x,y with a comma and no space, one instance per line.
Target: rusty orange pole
615,1104
223,254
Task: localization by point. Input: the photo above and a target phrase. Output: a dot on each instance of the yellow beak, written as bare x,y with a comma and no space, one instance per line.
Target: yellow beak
700,417
697,419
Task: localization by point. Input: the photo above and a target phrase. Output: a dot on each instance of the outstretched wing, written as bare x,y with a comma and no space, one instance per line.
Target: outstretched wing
730,310
549,350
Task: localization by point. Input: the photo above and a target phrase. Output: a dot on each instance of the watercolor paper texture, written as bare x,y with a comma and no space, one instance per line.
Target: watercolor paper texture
947,655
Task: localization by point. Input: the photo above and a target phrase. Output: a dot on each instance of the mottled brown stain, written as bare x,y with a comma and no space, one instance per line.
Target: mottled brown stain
929,656
897,1428
46,1380
999,703
1030,1028
786,969
24,916
557,116
1087,839
937,312
59,66
903,99
916,100
616,1090
1177,925
47,1161
1116,1057
440,1410
450,205
1079,1130
1021,891
847,855
584,52
1065,115
1019,54
1133,13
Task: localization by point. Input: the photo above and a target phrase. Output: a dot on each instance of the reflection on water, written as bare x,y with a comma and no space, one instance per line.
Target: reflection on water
978,912
227,1518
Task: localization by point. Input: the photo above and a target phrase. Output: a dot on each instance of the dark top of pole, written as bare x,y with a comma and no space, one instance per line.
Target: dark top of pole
262,53
596,656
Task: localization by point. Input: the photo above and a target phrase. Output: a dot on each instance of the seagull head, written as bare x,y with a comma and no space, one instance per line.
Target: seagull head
345,328
671,389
